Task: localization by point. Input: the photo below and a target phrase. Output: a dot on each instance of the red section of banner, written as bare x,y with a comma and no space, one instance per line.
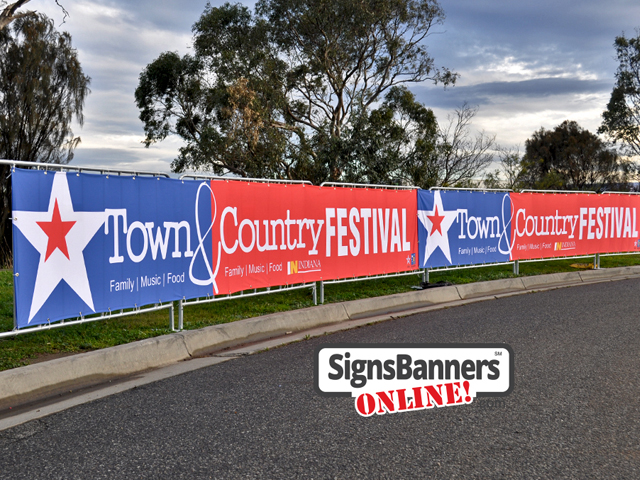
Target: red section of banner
274,234
560,225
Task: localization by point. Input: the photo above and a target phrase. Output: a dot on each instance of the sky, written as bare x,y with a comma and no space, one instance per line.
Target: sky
525,65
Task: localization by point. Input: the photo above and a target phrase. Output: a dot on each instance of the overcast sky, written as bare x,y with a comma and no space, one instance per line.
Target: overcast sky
526,65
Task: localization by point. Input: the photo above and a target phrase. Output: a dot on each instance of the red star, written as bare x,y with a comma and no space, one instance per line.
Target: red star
56,230
436,221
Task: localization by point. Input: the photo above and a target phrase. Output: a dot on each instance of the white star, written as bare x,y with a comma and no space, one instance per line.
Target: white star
437,222
55,266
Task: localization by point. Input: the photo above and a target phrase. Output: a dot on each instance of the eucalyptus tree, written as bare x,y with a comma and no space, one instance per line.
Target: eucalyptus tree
11,11
621,119
571,158
42,90
284,91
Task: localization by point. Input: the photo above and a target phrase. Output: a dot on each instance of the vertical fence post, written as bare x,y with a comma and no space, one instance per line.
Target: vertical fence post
516,267
180,315
315,293
15,317
596,261
321,292
173,327
425,275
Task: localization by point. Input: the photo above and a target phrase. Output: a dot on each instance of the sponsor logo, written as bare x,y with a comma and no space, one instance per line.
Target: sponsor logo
558,246
303,266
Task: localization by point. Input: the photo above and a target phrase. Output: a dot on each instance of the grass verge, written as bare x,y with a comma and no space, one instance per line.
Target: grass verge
32,347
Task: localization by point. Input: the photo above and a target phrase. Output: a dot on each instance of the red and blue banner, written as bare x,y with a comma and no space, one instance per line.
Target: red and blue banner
463,227
472,228
87,244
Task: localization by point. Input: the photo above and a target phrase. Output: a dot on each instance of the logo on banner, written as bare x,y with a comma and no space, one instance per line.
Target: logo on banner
462,227
60,235
213,273
437,222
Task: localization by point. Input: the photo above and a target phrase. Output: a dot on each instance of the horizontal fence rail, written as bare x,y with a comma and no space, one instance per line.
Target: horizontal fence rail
79,169
368,185
196,176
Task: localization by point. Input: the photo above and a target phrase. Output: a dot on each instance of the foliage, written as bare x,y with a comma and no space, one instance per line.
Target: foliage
11,12
571,158
508,175
621,119
42,89
460,155
295,89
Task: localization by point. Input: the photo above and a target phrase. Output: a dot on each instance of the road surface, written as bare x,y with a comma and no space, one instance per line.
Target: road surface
573,413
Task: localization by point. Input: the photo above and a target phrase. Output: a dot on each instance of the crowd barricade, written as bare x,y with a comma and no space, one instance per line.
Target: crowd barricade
410,267
92,243
467,228
90,246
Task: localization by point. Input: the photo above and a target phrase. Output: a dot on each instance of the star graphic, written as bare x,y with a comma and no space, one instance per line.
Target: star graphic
56,230
59,235
436,221
437,226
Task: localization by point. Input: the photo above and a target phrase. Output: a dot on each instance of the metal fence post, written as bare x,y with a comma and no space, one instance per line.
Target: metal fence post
596,261
15,317
516,267
173,327
321,292
180,315
425,275
315,293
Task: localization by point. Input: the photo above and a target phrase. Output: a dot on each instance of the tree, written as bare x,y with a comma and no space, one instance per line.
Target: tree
571,158
387,145
11,13
621,119
42,89
509,173
460,155
279,92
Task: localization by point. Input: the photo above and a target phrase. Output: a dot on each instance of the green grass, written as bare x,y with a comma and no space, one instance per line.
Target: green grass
24,349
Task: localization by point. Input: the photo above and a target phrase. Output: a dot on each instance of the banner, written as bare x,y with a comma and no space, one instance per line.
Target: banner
463,227
275,234
559,225
88,243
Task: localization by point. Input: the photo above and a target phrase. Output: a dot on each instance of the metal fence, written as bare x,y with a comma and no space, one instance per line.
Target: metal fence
106,315
314,286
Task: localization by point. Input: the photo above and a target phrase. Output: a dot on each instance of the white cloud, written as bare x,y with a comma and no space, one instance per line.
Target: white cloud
526,65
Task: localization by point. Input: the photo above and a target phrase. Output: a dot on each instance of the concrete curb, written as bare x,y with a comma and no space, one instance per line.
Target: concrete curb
42,380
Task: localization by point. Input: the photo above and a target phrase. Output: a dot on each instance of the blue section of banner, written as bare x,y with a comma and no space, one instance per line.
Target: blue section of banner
463,227
88,243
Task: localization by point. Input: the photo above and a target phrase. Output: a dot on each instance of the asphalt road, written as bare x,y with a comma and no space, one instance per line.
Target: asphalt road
574,411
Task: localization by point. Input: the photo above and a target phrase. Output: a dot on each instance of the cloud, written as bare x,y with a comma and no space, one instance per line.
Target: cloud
507,92
525,64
